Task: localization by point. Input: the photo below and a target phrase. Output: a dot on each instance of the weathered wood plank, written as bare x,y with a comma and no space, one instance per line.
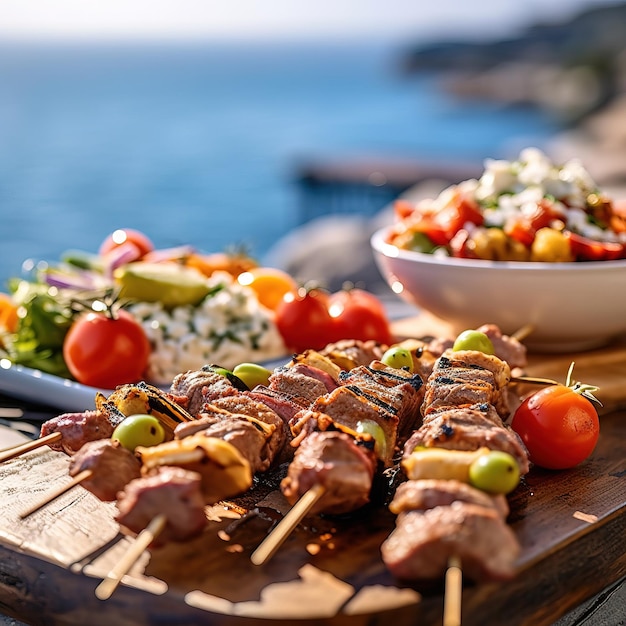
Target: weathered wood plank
564,521
571,526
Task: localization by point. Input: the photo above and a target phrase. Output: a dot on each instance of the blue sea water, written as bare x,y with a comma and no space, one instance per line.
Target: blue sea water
198,144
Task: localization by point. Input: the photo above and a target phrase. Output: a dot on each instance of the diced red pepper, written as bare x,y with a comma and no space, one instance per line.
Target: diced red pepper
585,249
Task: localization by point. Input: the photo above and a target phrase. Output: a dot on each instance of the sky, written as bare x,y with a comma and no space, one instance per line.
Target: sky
272,19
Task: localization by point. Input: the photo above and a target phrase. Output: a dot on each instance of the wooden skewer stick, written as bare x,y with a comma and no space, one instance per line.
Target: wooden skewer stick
110,583
57,493
533,380
275,539
11,453
453,592
523,332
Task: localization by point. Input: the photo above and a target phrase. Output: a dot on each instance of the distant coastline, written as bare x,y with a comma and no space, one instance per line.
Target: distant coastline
572,68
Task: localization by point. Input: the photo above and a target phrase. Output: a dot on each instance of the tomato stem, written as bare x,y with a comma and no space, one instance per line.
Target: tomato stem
583,389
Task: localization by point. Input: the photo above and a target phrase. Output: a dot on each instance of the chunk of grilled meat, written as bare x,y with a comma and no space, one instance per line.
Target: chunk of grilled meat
466,377
349,406
299,382
174,491
112,467
418,495
192,389
77,429
505,347
282,404
395,387
336,461
468,428
423,541
258,442
350,353
278,449
224,470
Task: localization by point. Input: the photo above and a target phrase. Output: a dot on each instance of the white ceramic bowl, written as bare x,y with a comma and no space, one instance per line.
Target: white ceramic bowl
571,306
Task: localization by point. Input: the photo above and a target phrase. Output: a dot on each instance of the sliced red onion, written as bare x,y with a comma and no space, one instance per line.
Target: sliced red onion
126,252
64,280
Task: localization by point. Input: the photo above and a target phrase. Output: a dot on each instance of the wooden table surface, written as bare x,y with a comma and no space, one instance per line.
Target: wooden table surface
571,525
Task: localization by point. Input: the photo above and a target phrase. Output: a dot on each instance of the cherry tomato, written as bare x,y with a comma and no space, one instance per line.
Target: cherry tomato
303,320
105,351
359,314
269,284
127,238
559,426
523,229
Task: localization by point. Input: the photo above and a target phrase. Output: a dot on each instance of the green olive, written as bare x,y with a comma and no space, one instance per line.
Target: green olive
139,430
473,340
252,374
370,427
398,357
495,472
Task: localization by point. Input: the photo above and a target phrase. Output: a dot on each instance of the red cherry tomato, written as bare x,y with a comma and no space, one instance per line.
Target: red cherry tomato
523,229
303,320
440,224
359,314
127,237
104,352
559,426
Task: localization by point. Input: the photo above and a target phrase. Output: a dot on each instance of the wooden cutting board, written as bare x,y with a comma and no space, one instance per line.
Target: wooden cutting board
329,571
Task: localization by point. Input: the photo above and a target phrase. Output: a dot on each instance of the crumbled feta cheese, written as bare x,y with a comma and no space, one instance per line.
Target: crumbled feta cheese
508,189
228,327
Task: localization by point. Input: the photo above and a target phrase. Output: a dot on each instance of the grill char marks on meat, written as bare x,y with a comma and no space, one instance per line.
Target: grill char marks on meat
462,410
337,462
397,390
112,467
259,438
464,378
468,428
277,448
348,406
423,542
331,451
77,429
173,490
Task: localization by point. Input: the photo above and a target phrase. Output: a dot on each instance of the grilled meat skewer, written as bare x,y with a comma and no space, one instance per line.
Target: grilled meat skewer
438,520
